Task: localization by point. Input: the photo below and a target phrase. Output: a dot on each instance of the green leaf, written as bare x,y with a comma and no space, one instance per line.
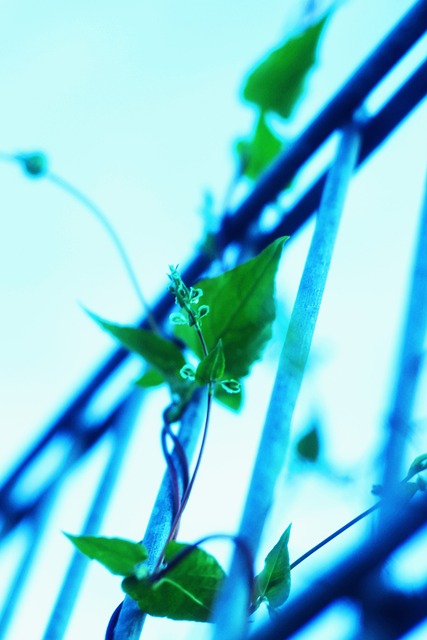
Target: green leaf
212,367
418,465
151,378
160,353
242,311
233,401
278,82
258,152
273,584
117,555
186,592
308,447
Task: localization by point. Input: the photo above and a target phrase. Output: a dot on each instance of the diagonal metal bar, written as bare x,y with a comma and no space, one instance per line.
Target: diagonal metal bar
234,227
231,613
349,575
374,131
339,110
120,437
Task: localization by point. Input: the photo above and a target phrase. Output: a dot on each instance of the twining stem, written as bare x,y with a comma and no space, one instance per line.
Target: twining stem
102,218
238,542
187,490
172,471
74,192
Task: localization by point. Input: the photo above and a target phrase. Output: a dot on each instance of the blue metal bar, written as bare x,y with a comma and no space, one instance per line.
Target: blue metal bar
235,226
120,437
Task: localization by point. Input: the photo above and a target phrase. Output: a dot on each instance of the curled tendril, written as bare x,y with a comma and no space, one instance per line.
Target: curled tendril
186,297
178,318
187,372
202,311
230,386
195,294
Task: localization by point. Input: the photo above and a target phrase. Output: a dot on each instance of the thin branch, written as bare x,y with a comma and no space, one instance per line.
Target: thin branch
104,221
187,492
334,535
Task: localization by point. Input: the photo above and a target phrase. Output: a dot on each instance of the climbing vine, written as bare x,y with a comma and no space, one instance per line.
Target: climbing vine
220,328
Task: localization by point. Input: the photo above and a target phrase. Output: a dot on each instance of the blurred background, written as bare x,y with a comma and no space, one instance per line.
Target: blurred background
139,106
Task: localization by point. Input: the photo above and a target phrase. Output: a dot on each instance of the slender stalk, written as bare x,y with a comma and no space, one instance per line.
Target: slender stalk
410,361
104,221
173,473
336,533
230,611
186,496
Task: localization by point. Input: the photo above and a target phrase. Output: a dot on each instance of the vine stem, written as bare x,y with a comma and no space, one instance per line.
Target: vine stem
188,489
238,542
187,492
336,533
78,195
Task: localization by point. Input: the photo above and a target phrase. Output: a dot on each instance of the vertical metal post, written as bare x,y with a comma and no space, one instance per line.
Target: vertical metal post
231,610
412,352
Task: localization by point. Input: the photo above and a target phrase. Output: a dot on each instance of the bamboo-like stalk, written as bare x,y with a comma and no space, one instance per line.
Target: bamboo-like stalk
131,619
410,362
231,610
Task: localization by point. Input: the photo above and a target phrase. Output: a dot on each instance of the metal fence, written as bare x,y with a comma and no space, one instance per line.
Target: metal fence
384,613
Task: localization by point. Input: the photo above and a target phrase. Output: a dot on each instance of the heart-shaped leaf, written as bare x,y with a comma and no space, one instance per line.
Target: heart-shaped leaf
242,311
278,82
212,367
186,592
258,152
117,555
273,584
159,352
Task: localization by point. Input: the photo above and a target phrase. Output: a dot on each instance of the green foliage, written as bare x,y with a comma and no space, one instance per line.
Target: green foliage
242,311
211,368
257,152
278,82
117,555
233,401
273,584
418,465
186,592
164,355
151,378
308,446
